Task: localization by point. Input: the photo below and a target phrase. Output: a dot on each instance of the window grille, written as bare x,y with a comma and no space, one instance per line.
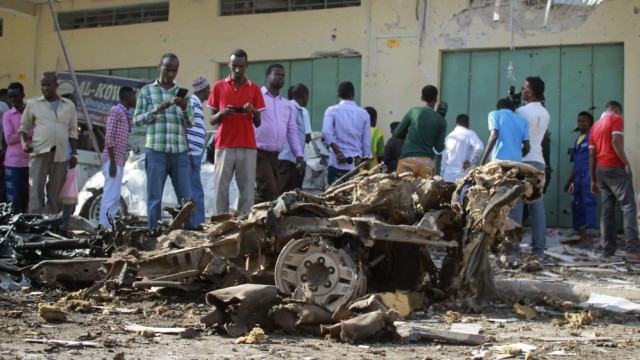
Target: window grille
244,7
140,14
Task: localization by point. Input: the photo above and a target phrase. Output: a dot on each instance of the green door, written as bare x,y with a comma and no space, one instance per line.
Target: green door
320,75
576,79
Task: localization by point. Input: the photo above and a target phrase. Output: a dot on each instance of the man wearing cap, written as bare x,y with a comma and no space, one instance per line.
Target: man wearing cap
195,140
279,126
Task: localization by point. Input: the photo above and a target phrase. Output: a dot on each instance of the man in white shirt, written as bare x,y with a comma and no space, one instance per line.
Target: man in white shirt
462,149
290,174
538,119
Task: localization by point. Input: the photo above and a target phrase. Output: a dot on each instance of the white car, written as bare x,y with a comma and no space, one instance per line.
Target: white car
133,198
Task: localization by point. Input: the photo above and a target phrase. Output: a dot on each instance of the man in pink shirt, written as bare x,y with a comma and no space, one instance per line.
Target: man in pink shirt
609,166
278,126
16,161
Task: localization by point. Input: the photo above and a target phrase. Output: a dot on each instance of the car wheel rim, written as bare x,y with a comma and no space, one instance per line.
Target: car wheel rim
94,209
330,275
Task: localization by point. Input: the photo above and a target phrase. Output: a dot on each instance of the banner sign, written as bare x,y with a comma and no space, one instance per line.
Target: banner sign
100,93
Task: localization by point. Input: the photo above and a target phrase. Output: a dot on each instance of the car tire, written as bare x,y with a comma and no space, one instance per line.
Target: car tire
91,210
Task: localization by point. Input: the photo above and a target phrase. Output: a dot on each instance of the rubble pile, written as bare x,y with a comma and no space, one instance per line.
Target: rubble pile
373,233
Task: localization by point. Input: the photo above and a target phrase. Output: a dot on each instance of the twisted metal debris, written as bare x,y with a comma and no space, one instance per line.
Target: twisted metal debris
376,232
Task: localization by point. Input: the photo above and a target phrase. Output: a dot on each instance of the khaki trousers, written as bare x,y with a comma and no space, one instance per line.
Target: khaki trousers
242,163
44,173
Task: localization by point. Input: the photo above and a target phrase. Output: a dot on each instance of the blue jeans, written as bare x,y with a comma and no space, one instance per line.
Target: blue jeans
516,212
158,166
197,192
334,174
17,187
538,220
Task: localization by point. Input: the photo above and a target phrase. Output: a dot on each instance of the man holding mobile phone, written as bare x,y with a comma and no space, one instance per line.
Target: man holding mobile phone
166,116
235,141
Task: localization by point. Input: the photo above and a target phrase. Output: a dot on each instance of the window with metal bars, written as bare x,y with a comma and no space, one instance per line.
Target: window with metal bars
139,14
244,7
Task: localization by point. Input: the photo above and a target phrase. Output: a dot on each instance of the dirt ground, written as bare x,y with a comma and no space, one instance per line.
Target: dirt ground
610,336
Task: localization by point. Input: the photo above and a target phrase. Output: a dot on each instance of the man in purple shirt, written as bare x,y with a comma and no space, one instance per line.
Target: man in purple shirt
278,126
346,129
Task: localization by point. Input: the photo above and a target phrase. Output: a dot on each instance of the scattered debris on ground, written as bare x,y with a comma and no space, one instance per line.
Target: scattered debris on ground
379,258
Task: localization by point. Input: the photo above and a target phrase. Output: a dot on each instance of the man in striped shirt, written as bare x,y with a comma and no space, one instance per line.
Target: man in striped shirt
166,117
346,129
195,138
115,153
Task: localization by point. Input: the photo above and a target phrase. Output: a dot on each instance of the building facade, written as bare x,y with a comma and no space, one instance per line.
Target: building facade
473,50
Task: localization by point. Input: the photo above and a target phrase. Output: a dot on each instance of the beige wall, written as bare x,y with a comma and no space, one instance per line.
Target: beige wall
405,58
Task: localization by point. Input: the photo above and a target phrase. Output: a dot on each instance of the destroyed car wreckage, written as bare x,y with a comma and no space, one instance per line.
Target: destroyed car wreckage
375,232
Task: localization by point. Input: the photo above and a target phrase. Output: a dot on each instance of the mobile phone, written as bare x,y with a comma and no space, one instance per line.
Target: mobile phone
239,109
182,93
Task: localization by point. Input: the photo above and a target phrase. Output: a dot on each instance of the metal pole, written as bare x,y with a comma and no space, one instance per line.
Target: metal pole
76,86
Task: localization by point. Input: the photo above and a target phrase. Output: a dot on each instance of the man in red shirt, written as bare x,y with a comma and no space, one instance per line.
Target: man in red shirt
609,165
236,103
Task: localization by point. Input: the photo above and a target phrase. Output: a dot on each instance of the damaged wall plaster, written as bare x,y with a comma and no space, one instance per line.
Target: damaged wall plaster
528,20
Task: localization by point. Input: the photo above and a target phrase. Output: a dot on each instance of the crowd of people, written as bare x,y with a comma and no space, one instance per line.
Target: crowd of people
260,142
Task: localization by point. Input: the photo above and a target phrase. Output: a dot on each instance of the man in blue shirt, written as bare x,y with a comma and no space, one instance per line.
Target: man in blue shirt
508,140
508,134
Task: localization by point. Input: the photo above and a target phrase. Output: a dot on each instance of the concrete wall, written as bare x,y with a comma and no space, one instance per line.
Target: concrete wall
397,57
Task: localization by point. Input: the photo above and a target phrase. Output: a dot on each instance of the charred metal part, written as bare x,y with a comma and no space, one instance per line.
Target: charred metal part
73,272
295,317
55,245
484,200
373,326
241,307
352,172
181,214
370,229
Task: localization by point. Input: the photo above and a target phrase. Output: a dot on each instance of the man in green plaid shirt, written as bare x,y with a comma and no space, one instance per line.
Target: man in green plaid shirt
166,117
